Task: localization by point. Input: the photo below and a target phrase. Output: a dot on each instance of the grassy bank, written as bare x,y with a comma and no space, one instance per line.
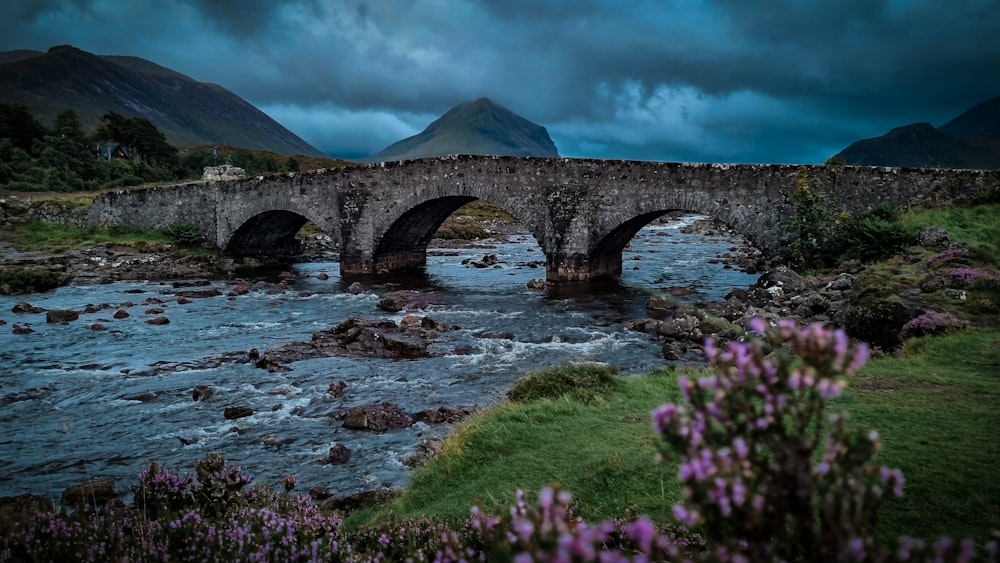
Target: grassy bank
934,406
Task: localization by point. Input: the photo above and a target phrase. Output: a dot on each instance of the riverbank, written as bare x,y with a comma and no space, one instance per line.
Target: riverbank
780,293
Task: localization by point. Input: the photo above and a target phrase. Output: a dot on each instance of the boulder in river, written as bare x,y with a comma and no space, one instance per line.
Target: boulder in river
25,307
61,315
241,411
202,393
339,455
158,321
378,417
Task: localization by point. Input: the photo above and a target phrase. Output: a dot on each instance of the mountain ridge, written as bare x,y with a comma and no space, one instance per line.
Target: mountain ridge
481,127
970,140
186,111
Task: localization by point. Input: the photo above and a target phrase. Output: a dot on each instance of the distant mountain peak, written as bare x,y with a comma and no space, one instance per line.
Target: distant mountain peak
971,140
186,111
480,126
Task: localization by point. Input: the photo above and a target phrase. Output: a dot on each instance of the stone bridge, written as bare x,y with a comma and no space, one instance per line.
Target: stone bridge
582,212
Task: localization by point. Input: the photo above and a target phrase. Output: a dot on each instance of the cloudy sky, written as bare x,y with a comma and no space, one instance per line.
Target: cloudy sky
677,80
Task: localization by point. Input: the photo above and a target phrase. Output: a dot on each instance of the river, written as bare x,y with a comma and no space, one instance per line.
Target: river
76,403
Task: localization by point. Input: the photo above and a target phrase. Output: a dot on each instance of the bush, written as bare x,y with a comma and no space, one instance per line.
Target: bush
808,233
876,235
931,323
184,234
17,280
585,382
877,321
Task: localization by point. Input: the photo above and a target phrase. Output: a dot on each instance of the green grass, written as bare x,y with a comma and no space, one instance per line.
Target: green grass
935,407
602,451
54,237
976,225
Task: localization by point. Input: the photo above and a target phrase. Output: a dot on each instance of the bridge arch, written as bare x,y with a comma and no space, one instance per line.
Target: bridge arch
403,244
271,233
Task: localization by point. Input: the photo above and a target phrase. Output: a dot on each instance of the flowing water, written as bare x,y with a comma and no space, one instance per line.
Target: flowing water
77,403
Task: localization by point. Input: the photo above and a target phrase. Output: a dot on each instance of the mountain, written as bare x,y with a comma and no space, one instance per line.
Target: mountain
971,140
479,127
186,111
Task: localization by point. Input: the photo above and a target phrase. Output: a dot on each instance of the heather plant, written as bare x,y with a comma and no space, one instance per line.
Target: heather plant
160,491
549,531
930,323
220,484
761,478
949,255
965,277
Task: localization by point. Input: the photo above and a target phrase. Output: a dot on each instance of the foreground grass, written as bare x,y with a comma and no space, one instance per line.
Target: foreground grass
935,407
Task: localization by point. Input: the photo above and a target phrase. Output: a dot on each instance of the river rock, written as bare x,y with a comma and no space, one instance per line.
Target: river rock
61,315
659,305
535,283
337,389
339,455
323,276
356,289
787,279
442,415
21,329
158,321
642,325
396,301
684,327
183,300
495,335
233,413
93,493
202,393
276,440
154,311
933,237
25,307
379,417
198,293
426,449
121,314
842,282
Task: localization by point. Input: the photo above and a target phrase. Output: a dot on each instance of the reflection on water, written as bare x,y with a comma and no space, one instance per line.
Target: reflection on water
78,403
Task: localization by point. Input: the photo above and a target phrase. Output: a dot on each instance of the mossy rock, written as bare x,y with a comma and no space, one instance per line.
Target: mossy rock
877,322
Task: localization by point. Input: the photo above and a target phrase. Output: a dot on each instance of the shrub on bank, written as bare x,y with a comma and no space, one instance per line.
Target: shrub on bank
17,280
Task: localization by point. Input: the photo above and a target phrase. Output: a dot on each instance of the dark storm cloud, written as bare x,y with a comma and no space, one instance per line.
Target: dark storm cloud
722,80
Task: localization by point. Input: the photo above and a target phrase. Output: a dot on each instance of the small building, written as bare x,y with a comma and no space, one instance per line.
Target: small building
107,151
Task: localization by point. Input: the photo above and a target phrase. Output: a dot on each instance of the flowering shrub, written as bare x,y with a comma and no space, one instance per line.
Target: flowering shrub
931,323
965,277
950,254
548,531
747,438
159,491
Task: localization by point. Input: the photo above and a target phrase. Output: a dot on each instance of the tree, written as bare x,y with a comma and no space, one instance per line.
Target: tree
18,125
139,136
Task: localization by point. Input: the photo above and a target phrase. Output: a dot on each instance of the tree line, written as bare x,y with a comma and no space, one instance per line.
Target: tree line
64,158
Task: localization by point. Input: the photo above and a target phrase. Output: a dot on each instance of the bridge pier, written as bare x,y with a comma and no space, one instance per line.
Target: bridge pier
579,267
392,262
